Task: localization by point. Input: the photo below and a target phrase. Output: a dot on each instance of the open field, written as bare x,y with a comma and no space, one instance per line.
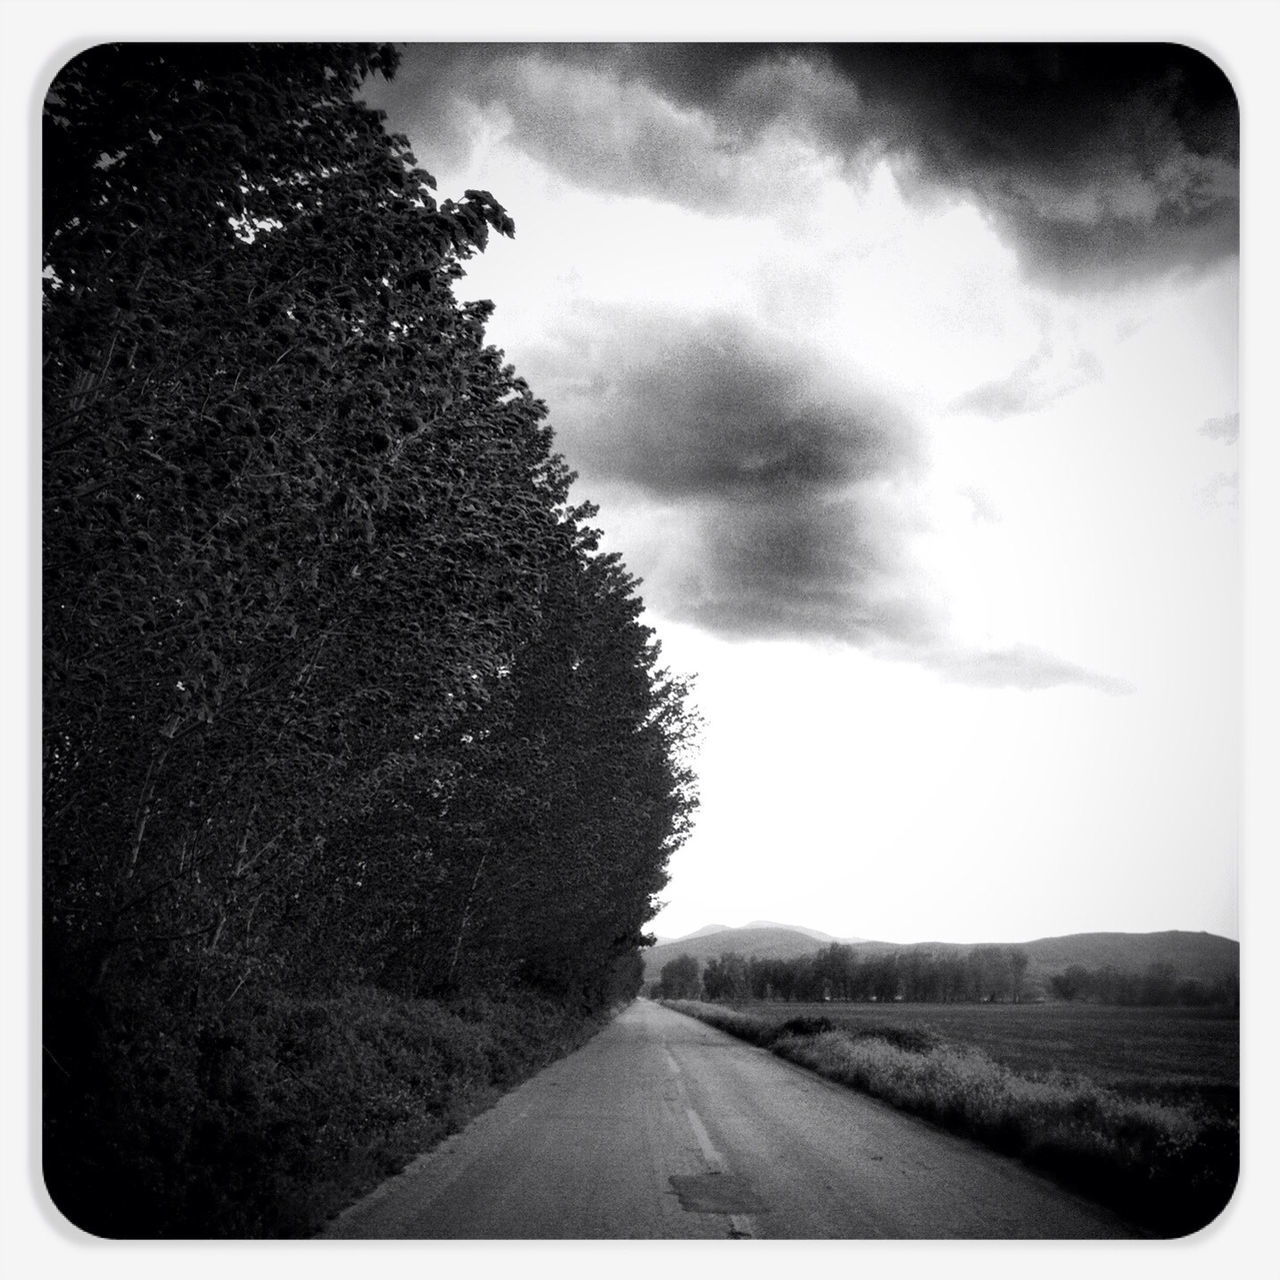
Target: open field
1184,1055
1138,1108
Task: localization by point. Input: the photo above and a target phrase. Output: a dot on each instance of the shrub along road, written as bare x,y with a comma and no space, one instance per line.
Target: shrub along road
664,1128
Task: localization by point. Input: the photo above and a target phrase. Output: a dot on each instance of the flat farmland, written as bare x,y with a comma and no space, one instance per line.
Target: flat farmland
1135,1107
1175,1055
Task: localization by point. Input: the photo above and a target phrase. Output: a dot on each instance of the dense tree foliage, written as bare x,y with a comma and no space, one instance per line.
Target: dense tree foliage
338,687
1157,984
840,971
680,979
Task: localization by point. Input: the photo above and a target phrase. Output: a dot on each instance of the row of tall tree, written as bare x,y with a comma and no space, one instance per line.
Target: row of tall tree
840,972
921,974
338,685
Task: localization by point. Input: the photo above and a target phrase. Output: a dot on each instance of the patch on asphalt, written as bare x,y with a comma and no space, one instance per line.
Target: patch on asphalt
716,1193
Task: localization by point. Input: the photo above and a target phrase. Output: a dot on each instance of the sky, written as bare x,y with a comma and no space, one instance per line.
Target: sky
905,379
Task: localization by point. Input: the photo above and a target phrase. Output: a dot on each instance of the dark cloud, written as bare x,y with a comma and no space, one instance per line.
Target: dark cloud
1098,162
427,98
603,127
782,492
831,567
763,496
790,482
713,406
1101,161
1226,428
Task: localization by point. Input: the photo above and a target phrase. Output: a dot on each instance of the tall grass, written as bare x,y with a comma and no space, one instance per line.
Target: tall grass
1171,1167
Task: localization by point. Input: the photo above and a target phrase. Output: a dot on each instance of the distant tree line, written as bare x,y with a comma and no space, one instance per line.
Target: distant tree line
922,974
338,687
840,972
1157,984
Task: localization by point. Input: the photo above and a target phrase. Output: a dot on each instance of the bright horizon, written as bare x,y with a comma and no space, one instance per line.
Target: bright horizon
933,487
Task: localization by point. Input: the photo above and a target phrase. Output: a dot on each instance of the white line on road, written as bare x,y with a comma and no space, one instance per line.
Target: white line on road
715,1162
740,1224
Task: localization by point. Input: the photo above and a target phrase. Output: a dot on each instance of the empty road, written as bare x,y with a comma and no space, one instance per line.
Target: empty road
664,1128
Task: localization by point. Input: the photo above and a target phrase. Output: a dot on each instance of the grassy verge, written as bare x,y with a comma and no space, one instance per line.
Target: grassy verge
1171,1167
264,1121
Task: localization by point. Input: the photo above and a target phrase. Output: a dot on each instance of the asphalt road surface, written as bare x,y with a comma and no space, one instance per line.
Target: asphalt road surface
664,1128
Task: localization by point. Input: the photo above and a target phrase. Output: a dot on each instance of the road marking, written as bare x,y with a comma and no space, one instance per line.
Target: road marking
739,1223
715,1164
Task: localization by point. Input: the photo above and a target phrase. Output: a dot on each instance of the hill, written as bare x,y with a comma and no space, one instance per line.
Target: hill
697,933
1205,956
799,928
1194,955
775,941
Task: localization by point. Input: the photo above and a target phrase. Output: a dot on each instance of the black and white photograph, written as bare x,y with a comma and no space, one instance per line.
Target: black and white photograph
639,639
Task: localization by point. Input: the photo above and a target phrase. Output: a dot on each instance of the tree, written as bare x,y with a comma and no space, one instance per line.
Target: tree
833,968
261,518
1073,983
679,979
1018,962
311,559
311,572
1159,984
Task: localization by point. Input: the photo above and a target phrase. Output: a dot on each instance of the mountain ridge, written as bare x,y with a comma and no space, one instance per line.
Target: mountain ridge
708,929
1193,954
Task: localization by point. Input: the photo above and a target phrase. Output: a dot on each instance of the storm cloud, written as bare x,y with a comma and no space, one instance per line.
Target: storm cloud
789,482
760,482
785,493
832,567
714,405
603,129
1097,163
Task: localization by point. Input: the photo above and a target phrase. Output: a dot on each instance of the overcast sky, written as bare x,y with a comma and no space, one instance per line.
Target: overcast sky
905,378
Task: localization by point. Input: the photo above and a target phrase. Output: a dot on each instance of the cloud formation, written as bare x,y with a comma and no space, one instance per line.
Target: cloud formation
1098,163
1019,666
1036,382
787,491
789,478
832,567
785,495
605,129
714,405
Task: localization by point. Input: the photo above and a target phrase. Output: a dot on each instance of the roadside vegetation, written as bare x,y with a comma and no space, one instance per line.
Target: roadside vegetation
280,1113
1157,1149
1178,1055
